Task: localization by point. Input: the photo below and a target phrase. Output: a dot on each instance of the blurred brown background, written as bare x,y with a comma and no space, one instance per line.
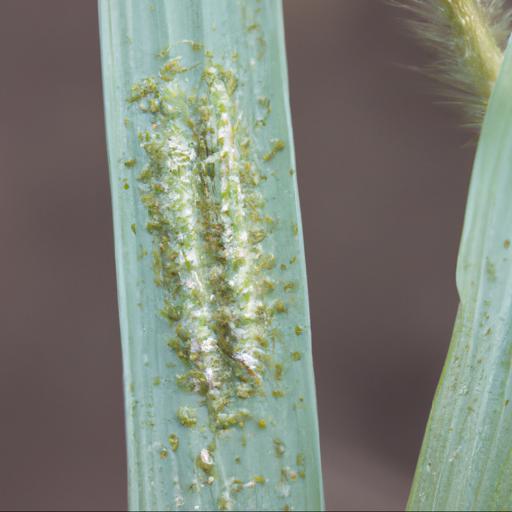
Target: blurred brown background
383,174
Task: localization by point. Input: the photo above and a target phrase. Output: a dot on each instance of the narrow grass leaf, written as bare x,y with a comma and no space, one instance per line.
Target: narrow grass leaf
218,375
466,458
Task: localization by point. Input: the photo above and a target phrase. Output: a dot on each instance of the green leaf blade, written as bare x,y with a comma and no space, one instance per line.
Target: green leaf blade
466,457
185,450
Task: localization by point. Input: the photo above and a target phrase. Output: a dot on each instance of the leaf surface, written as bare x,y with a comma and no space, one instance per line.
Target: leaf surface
219,386
466,457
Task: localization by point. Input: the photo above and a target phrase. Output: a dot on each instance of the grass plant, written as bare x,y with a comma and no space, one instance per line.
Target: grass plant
218,376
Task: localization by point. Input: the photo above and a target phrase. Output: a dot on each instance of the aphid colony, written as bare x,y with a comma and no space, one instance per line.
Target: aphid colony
206,216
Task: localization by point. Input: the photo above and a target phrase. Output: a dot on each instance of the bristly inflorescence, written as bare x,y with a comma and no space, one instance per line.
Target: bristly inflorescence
468,37
206,217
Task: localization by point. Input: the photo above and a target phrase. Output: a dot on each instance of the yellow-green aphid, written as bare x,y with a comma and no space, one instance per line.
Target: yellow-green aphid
164,53
171,68
224,502
279,447
277,145
264,103
278,371
290,286
280,306
143,89
187,416
205,461
174,442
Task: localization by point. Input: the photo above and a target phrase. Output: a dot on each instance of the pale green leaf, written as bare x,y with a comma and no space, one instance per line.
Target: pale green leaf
466,458
204,195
